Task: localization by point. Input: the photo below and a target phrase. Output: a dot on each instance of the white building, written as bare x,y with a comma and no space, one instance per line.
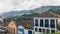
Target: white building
1,19
46,22
22,30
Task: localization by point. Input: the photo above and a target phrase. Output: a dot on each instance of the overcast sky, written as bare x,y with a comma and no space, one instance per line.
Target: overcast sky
12,5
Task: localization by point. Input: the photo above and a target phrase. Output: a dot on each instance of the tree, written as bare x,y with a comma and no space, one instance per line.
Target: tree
29,26
58,27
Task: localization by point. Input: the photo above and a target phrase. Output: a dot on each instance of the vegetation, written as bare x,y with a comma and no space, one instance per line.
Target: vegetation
58,27
29,26
21,18
30,17
55,10
53,33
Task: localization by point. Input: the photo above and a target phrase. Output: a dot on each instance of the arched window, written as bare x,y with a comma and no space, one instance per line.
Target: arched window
46,23
52,23
41,22
36,22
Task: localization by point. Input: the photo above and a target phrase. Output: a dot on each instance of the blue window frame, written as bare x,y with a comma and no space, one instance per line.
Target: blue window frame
36,29
46,23
52,31
41,22
52,23
36,22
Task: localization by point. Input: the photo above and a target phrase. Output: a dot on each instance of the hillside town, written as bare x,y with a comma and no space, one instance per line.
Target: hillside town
47,22
29,16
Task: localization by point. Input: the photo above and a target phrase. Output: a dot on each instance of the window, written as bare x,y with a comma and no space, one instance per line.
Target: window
47,30
52,31
36,22
52,23
29,32
44,30
46,23
41,22
39,30
36,29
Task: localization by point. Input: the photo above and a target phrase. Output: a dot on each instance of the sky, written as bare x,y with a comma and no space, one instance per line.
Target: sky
17,5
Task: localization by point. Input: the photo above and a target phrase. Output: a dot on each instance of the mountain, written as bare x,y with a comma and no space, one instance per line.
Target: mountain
36,10
44,8
15,13
55,10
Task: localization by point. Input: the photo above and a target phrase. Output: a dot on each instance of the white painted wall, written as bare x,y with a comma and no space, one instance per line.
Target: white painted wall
39,33
25,31
43,22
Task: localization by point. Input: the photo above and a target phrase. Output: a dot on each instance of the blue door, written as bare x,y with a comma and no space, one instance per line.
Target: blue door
29,32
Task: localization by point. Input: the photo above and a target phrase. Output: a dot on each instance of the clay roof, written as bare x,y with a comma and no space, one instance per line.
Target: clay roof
25,23
49,14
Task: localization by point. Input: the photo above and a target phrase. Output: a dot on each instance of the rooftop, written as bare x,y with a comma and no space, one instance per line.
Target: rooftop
49,14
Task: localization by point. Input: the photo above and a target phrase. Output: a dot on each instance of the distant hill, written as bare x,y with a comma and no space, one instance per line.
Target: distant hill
44,8
36,10
55,10
29,14
15,13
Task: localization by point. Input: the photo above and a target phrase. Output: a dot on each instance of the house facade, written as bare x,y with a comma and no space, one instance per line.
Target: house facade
46,22
12,28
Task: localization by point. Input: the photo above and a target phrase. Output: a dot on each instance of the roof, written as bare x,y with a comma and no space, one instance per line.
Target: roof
49,14
23,23
20,26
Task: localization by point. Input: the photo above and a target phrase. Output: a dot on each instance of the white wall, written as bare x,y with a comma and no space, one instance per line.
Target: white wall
44,22
39,33
26,31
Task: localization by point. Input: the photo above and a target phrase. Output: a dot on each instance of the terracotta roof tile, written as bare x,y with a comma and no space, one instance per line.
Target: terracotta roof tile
49,14
25,23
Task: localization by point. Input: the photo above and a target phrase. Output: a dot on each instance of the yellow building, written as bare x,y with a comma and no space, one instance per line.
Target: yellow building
12,28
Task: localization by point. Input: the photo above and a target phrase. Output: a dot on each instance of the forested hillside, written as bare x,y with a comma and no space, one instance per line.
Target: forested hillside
34,12
55,10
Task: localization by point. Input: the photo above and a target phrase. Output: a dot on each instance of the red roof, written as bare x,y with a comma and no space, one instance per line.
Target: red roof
4,25
25,23
49,14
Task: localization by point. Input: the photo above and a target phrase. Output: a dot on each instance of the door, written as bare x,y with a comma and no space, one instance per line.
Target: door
29,32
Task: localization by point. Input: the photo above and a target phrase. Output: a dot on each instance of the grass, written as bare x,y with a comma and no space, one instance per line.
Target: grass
54,33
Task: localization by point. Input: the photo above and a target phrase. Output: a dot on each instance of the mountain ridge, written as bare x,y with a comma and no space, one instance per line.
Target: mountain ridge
36,10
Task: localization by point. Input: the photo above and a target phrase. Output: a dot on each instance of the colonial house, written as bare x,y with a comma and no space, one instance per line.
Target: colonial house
46,22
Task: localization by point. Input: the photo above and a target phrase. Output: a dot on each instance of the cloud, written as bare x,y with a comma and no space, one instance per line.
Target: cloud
7,5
